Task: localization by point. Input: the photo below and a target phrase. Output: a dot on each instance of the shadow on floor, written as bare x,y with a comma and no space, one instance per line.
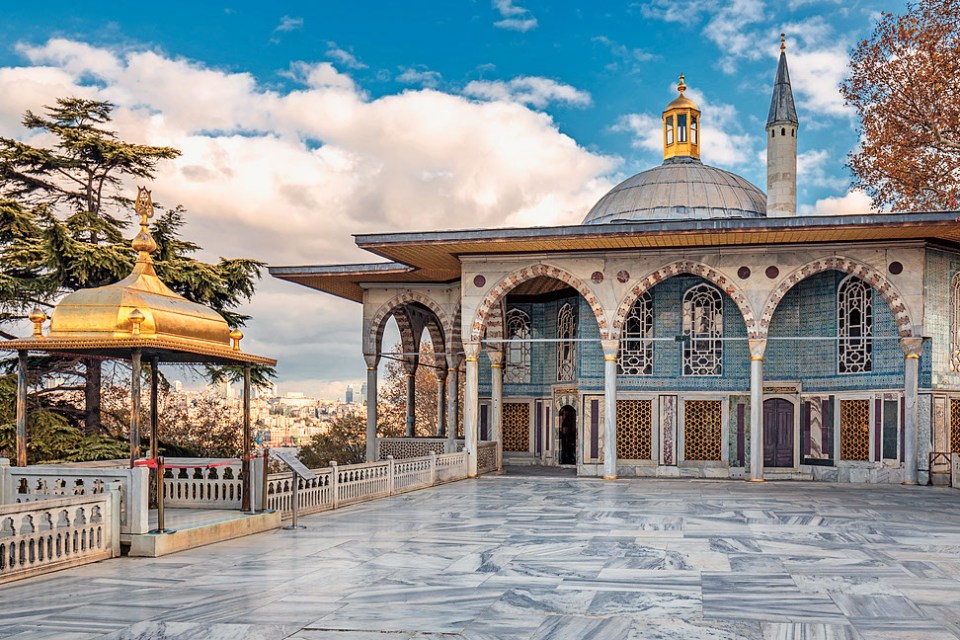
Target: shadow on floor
538,471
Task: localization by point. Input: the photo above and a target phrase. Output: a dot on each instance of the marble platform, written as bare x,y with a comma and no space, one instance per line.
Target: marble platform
191,528
510,558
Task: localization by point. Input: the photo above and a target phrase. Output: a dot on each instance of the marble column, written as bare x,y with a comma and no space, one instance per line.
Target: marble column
246,464
911,380
453,402
496,400
611,348
441,399
410,366
134,406
22,408
372,362
757,349
471,400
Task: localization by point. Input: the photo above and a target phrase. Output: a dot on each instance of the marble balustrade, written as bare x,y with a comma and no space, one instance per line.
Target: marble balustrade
45,482
44,535
487,457
216,487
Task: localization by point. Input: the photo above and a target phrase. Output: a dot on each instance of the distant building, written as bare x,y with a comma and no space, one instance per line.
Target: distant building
177,386
363,393
348,397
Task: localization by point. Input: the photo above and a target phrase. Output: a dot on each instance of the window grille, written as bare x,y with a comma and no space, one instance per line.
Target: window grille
517,370
702,331
955,323
854,326
566,347
636,346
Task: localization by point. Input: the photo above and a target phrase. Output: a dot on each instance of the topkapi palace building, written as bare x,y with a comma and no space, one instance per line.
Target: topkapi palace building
690,326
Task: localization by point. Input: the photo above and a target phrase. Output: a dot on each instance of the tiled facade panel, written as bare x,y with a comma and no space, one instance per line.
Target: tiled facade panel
935,360
810,309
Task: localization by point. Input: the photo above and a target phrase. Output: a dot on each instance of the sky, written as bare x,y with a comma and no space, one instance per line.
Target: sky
303,123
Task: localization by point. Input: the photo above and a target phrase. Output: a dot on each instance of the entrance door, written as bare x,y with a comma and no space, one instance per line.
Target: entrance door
568,435
777,433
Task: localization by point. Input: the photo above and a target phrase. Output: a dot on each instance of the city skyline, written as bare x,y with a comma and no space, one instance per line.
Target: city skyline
340,120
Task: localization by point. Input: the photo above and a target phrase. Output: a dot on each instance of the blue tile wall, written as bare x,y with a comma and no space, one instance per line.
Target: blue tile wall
935,359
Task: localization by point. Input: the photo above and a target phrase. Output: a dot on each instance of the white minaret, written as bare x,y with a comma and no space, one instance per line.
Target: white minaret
782,128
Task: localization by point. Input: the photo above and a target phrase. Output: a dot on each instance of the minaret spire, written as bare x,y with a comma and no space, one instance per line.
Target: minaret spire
782,127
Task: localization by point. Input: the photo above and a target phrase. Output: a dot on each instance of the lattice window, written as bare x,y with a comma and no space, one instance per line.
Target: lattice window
566,347
854,326
634,428
954,425
516,426
517,369
636,346
955,323
702,429
855,430
702,331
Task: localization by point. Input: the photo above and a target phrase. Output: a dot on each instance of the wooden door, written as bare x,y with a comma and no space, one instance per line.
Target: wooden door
777,433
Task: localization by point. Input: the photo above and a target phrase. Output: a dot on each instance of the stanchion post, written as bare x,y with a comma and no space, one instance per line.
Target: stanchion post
161,526
263,492
296,503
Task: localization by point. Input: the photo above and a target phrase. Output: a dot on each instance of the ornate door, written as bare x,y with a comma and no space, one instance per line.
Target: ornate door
777,433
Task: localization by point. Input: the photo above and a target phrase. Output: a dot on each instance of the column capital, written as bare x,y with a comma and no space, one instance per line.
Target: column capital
471,350
912,347
496,358
410,364
611,349
372,360
757,349
441,374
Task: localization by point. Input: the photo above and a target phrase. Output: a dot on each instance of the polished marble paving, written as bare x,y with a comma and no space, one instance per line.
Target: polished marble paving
537,558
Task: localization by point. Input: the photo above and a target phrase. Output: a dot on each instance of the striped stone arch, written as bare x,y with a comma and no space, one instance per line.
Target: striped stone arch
687,267
454,344
846,265
396,304
495,322
500,290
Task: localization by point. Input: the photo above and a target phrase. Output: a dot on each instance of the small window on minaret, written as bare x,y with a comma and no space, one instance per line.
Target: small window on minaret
669,129
681,128
783,131
693,129
792,133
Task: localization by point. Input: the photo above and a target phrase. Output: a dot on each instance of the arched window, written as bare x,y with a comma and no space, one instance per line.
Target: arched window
702,331
517,369
682,127
566,347
669,129
854,326
636,346
693,129
955,323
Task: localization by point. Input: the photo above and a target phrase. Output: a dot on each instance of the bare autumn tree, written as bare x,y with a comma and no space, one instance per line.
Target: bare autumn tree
392,400
905,85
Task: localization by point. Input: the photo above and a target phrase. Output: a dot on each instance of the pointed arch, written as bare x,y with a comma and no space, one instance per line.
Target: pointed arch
686,267
502,288
868,274
379,321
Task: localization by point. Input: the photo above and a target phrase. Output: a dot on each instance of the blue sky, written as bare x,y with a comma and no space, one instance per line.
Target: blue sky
303,123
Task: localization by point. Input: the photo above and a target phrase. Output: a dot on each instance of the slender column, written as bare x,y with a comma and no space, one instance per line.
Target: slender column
410,365
21,409
453,402
134,406
372,362
154,416
611,349
757,348
441,399
245,464
496,404
471,399
911,379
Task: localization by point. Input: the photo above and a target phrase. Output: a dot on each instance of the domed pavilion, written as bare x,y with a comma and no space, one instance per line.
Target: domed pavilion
692,325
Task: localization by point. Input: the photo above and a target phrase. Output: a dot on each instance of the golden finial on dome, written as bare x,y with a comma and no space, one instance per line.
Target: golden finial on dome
783,42
136,319
681,87
144,242
37,317
236,335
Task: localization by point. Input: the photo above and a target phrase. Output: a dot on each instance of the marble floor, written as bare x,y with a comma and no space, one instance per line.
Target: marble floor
509,558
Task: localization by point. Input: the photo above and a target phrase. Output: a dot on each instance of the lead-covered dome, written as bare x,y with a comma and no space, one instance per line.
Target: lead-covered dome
682,187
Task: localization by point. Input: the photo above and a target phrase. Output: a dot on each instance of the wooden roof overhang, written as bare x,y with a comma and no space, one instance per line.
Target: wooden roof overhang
434,256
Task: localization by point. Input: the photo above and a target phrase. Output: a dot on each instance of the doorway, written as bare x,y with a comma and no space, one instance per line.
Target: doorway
778,433
568,435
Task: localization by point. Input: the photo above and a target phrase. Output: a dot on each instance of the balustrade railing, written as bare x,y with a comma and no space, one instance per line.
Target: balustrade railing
213,485
39,536
487,454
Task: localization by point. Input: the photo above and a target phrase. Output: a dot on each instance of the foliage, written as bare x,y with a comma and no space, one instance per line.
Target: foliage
392,396
344,441
905,85
205,426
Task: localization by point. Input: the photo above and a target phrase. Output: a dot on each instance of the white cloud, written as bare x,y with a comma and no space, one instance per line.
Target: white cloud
344,57
288,23
728,28
686,12
812,171
515,18
420,75
287,176
530,90
722,141
816,75
633,59
853,202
